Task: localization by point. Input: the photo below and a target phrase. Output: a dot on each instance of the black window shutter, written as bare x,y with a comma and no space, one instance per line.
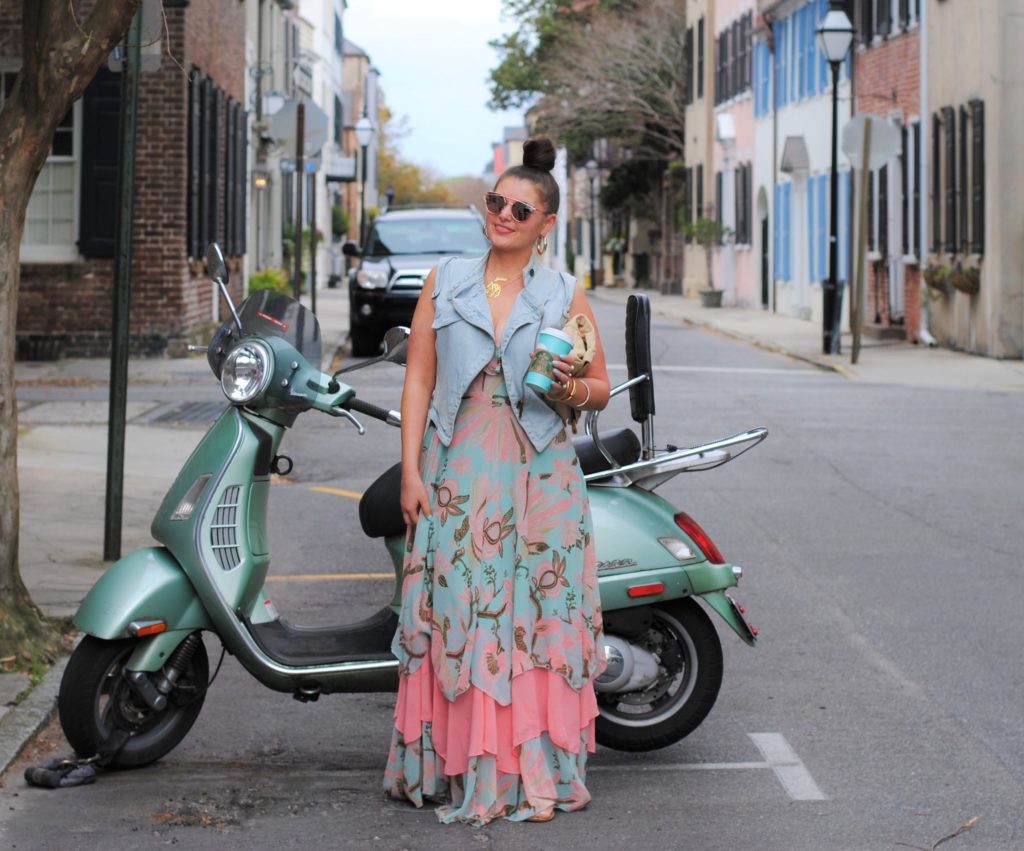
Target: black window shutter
205,166
915,179
216,125
936,183
718,197
871,211
963,186
883,20
700,190
688,70
949,126
904,13
904,191
229,181
195,160
241,183
977,176
101,118
700,58
865,11
883,211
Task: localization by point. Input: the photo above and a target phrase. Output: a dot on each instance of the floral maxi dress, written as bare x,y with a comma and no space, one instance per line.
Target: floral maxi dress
500,627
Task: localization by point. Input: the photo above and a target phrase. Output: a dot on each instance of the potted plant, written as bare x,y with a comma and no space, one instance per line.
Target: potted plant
968,281
708,233
936,277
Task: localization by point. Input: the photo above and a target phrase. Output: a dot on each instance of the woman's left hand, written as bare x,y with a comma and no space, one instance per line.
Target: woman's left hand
561,372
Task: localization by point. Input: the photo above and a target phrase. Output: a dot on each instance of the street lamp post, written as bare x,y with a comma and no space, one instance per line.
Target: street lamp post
835,34
592,172
364,135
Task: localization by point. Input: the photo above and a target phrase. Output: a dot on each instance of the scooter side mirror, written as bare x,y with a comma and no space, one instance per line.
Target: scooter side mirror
215,263
396,344
351,249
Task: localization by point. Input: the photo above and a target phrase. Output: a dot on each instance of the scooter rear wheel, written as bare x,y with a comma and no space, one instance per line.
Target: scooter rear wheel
690,654
95,700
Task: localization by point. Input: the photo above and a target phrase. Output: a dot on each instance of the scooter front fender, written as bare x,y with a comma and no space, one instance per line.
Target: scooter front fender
148,584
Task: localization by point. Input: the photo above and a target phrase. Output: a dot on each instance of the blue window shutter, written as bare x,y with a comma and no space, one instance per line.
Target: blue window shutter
823,71
810,230
822,245
812,51
798,21
776,226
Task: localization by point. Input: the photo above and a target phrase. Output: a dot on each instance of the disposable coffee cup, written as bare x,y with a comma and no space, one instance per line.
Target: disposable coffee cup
551,343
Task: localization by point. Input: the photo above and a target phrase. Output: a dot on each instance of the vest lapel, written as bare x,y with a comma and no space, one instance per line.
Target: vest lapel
469,300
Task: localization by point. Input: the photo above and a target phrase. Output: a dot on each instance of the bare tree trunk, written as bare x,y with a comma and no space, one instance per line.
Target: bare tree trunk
60,56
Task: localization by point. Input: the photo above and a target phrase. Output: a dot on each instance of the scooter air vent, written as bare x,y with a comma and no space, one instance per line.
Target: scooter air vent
224,529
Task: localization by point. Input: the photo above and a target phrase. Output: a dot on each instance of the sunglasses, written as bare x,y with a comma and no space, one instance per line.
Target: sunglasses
496,204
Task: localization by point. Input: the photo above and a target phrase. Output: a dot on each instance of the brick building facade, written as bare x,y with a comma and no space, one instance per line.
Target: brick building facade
191,186
889,86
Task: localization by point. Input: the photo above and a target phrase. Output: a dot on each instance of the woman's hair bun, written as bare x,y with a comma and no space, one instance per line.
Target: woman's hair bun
539,153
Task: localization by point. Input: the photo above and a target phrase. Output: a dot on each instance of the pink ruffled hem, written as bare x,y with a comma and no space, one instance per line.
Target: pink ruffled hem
475,723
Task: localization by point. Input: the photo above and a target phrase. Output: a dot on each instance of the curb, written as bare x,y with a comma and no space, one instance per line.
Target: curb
30,716
823,365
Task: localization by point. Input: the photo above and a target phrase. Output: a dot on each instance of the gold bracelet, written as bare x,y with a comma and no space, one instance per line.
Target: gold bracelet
567,396
584,402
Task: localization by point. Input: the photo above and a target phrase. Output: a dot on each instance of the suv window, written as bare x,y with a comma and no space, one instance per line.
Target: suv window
426,236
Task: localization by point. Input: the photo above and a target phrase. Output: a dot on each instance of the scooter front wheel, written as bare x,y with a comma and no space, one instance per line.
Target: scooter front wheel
689,653
96,700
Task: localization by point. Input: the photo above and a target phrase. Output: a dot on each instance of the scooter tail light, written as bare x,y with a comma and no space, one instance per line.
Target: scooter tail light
188,502
701,538
647,590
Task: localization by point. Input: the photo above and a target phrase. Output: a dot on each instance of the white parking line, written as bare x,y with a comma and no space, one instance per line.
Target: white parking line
778,755
788,767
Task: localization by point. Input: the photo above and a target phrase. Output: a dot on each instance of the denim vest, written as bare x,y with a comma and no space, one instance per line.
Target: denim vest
465,341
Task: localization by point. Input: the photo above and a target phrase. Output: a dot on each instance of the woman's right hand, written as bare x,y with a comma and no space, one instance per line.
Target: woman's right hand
414,500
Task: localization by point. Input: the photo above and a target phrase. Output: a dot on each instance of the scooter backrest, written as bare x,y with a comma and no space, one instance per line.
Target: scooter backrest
638,356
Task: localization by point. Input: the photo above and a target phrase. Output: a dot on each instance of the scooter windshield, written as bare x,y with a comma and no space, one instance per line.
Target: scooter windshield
273,314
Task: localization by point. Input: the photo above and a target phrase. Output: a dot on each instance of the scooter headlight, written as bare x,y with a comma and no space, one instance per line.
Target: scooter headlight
246,372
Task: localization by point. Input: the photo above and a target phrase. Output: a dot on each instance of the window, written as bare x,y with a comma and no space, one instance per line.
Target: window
51,221
339,36
733,75
883,211
700,58
916,191
904,193
339,122
687,197
217,154
962,184
719,199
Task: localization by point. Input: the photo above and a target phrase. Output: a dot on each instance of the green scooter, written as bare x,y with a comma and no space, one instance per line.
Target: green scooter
136,682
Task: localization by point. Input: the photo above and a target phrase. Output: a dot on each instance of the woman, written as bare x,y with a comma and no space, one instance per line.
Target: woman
500,628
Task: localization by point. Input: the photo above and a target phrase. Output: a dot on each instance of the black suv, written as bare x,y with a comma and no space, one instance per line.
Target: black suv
404,244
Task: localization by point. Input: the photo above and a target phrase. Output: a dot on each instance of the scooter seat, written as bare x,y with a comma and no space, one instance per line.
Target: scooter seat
621,443
380,512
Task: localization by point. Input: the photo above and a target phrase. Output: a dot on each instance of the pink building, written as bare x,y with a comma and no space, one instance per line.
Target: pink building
733,153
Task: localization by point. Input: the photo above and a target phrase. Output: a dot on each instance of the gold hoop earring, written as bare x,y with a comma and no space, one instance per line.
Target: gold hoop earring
542,244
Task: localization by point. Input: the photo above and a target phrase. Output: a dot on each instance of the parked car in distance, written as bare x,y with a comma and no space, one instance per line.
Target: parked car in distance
403,245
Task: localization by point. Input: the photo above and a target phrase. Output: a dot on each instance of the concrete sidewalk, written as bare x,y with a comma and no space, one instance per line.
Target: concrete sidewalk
62,445
883,362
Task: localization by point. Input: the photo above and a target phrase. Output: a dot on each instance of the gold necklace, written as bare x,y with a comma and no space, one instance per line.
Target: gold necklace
493,288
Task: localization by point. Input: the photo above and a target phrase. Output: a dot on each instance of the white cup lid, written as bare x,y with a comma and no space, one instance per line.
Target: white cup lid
557,333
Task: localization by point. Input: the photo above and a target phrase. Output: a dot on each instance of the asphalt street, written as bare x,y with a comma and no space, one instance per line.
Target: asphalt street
879,531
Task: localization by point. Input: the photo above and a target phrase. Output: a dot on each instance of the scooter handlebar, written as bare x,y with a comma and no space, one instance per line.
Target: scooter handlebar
371,410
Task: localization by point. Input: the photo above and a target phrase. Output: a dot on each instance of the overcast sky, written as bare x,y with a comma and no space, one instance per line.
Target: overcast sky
434,62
